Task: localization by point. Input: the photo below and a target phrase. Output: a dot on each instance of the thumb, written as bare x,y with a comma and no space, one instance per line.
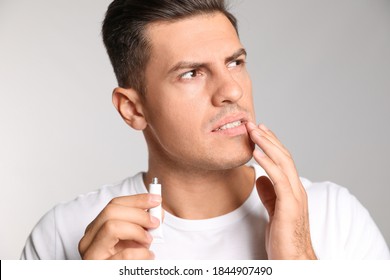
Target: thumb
266,191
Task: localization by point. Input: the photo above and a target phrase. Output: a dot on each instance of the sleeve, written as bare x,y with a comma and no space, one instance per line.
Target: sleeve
41,243
364,240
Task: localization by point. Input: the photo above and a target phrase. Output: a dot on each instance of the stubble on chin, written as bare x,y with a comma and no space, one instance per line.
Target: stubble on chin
229,159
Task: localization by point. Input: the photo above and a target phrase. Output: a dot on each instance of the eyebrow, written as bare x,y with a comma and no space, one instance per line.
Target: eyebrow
188,64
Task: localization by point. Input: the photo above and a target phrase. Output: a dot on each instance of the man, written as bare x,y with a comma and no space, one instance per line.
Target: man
182,80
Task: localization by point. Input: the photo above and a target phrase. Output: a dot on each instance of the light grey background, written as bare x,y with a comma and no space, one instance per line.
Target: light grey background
321,75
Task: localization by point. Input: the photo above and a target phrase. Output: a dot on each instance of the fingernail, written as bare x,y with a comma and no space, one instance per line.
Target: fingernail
155,197
154,220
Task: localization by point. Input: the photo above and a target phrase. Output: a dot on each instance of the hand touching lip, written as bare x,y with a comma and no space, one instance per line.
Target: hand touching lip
283,196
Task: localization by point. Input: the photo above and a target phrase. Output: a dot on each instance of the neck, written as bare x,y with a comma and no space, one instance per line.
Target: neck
202,194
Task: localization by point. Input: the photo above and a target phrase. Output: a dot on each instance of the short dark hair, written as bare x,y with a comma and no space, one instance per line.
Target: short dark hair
124,32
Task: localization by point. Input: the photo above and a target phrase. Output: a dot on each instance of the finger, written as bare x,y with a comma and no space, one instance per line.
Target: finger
123,208
253,130
143,201
103,245
280,172
266,192
125,244
121,213
133,254
290,169
277,156
279,179
274,139
285,163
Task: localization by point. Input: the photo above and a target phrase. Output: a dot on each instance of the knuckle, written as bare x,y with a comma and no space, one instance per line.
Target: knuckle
109,210
109,227
283,179
88,228
290,164
82,246
113,201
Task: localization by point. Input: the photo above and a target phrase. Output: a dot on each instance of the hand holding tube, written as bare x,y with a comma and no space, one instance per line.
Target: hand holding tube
120,231
157,234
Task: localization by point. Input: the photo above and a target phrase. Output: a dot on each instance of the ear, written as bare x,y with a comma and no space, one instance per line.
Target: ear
129,105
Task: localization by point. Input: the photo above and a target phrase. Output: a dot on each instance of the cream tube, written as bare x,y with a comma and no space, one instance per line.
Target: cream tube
157,233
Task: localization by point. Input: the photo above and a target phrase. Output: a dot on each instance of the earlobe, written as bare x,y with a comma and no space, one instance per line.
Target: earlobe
128,104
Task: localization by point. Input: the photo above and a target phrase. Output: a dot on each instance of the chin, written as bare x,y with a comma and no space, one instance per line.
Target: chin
236,162
230,160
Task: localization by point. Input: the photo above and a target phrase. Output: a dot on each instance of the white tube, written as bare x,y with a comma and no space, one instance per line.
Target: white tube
157,233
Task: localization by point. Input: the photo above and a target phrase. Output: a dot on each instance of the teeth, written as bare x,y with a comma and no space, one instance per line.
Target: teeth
230,125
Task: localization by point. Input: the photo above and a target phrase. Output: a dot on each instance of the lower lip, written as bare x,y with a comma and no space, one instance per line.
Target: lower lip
234,131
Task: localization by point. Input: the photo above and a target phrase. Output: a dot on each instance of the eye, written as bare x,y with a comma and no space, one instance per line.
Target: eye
189,75
236,63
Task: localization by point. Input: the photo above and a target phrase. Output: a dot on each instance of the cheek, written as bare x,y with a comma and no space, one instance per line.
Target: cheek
246,83
243,79
247,89
175,122
180,108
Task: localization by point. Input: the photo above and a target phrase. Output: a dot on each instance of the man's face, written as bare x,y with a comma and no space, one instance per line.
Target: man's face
198,94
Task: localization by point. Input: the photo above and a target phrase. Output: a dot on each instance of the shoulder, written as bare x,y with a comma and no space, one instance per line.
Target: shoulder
58,232
87,206
330,196
341,227
99,198
332,202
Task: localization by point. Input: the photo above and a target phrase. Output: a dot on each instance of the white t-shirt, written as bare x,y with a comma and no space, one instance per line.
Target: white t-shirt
341,228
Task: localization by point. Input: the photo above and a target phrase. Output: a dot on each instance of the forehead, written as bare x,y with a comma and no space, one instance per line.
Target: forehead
197,38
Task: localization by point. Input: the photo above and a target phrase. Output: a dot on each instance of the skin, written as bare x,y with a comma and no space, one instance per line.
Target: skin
197,81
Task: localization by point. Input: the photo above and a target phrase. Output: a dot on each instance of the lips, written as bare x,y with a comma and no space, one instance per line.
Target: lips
229,125
230,122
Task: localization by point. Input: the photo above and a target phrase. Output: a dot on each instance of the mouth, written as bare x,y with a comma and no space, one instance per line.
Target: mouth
232,125
229,125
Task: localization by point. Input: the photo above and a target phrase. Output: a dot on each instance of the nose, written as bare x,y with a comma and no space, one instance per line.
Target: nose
227,89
